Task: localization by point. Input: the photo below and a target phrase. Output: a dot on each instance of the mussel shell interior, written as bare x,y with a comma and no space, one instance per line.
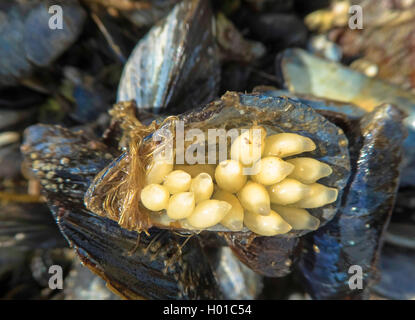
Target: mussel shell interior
277,114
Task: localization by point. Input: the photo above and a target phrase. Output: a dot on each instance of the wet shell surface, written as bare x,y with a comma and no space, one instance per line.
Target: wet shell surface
175,66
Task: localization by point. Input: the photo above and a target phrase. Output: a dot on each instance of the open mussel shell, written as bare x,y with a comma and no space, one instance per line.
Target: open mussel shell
157,266
175,66
276,115
306,74
353,239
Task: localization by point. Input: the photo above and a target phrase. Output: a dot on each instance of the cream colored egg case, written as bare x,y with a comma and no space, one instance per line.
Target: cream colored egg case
269,202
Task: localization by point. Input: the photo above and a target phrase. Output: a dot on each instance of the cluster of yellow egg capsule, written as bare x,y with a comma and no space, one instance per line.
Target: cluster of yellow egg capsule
269,202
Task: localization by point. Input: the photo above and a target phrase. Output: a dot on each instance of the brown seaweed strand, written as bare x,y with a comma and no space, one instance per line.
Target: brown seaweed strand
133,217
122,200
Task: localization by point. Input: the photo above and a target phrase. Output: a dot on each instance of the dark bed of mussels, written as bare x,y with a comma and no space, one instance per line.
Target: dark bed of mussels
85,85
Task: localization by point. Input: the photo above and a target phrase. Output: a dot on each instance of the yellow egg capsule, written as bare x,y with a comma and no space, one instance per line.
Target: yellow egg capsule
160,218
158,170
202,187
287,191
208,213
181,205
269,225
229,176
309,170
177,181
249,146
270,170
196,169
254,197
298,219
235,218
317,196
287,144
155,197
